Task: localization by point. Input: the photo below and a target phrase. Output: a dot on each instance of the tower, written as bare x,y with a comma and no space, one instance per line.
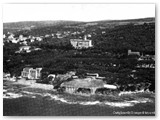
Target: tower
85,37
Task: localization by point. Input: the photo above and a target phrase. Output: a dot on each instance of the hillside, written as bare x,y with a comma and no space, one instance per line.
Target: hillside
35,24
108,57
27,25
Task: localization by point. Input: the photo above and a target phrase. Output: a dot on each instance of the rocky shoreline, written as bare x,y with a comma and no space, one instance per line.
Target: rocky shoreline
33,84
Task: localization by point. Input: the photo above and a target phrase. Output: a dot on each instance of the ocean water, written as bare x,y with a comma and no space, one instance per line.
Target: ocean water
19,100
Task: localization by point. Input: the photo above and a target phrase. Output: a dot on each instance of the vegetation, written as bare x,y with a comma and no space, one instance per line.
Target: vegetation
108,57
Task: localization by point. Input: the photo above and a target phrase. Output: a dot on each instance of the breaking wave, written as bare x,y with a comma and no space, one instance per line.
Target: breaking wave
134,92
120,104
122,100
10,95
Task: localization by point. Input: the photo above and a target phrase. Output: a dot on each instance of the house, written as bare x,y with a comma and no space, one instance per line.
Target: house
59,35
32,40
133,53
4,36
14,41
89,35
39,39
31,73
81,43
22,38
85,86
46,36
147,58
25,49
11,36
103,32
145,66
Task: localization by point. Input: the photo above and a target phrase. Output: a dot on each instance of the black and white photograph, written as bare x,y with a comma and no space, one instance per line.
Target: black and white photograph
79,59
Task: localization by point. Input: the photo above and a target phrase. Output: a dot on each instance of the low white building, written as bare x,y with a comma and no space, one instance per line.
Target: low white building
14,41
133,53
39,38
25,49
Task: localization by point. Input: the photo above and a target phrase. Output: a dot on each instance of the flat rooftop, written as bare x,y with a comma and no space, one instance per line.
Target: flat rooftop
84,83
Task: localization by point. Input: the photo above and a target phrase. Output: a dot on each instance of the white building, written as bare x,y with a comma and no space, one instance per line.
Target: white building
4,36
11,36
25,49
22,38
14,41
31,73
81,43
133,53
39,38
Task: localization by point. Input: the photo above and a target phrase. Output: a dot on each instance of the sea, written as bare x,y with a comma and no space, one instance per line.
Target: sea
21,100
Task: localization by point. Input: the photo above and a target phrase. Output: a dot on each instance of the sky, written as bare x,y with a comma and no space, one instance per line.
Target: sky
75,12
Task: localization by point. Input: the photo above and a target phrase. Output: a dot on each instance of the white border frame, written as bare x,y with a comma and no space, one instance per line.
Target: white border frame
157,2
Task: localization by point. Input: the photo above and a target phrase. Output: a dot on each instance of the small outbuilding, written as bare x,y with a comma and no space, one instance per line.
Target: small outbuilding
25,49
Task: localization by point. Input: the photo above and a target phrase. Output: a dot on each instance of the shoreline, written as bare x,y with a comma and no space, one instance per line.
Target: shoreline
32,84
119,102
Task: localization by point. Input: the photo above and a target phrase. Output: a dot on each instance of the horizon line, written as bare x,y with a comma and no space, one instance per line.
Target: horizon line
80,21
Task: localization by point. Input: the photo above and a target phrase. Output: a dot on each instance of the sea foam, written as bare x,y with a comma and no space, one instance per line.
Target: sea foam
63,99
12,95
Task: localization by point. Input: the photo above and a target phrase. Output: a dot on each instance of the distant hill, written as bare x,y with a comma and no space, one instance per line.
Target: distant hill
37,24
151,19
113,23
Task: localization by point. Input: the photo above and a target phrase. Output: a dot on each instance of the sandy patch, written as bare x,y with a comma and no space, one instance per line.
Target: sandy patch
33,84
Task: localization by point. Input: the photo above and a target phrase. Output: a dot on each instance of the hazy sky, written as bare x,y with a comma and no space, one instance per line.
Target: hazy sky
76,12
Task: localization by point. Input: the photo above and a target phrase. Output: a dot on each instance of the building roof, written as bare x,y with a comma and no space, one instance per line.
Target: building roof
80,40
84,83
27,69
